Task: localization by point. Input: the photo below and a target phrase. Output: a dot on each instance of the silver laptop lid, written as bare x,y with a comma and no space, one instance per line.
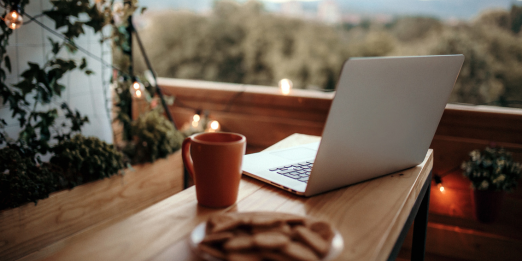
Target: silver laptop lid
383,117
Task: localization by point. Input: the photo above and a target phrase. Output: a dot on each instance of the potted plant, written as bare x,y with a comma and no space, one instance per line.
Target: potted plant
153,137
492,172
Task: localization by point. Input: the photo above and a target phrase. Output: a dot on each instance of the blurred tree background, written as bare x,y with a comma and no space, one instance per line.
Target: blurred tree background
242,43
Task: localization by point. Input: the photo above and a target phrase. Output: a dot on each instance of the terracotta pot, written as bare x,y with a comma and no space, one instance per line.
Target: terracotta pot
487,204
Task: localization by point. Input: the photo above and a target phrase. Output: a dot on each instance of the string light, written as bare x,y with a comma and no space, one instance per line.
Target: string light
214,126
13,19
286,86
195,120
441,188
137,89
438,182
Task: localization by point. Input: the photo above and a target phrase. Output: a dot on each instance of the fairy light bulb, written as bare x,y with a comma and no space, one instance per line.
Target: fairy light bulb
14,20
441,188
286,86
214,126
195,120
137,89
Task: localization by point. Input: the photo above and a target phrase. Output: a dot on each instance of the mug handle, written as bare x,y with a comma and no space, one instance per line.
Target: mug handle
185,155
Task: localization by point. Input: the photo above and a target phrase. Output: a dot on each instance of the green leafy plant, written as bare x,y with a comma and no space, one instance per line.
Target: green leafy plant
154,137
75,160
23,180
84,159
492,169
40,84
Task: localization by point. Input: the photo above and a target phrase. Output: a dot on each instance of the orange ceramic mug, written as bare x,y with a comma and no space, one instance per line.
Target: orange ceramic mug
214,161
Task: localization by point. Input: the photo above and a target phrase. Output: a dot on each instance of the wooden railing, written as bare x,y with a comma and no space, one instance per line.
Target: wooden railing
265,116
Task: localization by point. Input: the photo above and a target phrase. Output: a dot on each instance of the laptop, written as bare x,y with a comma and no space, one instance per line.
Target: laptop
382,119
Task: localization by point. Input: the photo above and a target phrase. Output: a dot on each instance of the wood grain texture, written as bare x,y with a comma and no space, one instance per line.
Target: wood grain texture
468,244
367,214
29,228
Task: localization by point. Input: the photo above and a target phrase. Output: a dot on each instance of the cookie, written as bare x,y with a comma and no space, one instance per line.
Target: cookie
282,228
217,237
299,252
312,239
242,256
273,256
239,243
223,222
266,236
265,221
215,252
270,240
323,229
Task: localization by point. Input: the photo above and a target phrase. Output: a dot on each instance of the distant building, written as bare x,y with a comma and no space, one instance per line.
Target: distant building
329,12
292,9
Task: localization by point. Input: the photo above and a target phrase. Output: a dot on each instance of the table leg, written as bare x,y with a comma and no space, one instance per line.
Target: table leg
420,226
419,214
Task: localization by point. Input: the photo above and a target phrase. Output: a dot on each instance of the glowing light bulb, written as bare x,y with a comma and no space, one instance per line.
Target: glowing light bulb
195,120
14,20
214,126
286,86
137,89
441,188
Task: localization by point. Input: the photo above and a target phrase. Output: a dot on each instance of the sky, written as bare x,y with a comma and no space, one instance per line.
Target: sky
443,9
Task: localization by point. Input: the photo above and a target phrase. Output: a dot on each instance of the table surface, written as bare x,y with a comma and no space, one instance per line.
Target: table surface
369,215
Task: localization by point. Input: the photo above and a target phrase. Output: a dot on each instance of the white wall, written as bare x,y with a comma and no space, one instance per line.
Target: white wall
84,93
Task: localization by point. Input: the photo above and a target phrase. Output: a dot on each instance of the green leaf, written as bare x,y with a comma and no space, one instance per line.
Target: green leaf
25,86
98,19
83,64
32,72
8,63
56,46
74,30
60,19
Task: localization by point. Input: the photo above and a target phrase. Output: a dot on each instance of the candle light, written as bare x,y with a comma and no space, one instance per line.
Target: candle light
286,86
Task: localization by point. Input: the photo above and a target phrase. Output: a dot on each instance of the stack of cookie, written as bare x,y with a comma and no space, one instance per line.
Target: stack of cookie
266,236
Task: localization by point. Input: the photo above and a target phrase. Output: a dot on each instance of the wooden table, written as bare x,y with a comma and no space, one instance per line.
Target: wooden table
373,218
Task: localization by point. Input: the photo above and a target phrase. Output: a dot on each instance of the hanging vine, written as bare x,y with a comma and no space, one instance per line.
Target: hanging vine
21,169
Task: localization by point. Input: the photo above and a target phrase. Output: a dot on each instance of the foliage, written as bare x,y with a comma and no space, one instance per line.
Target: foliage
22,180
242,43
490,73
154,137
40,85
84,159
122,58
492,169
23,177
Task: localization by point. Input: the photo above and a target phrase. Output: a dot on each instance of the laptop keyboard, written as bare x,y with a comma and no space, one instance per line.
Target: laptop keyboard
298,171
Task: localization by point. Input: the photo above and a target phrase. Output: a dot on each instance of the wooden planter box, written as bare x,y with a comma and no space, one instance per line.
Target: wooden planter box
31,227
